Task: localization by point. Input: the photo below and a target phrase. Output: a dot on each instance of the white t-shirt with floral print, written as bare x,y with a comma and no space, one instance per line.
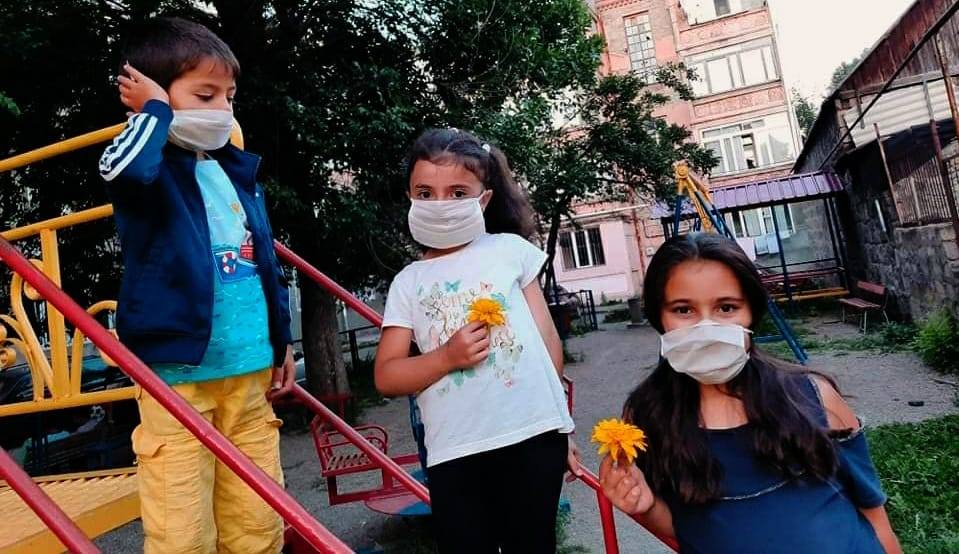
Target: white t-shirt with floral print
512,396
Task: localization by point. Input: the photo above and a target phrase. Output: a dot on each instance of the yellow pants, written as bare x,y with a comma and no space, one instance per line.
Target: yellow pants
192,503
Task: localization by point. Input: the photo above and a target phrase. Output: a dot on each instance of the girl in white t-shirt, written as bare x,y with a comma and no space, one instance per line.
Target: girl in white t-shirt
488,379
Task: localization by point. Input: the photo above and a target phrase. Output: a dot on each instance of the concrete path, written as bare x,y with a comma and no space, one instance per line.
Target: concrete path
613,361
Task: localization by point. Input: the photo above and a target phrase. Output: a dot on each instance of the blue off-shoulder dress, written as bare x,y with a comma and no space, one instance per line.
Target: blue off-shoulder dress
762,512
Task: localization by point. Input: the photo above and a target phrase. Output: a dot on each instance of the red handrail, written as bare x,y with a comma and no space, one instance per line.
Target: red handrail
46,509
223,449
605,511
371,315
330,285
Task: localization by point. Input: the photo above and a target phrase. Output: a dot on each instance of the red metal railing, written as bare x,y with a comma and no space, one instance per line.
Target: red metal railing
281,501
371,315
46,509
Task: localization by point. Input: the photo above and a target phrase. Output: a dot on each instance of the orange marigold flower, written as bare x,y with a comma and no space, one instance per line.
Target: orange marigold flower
488,311
618,438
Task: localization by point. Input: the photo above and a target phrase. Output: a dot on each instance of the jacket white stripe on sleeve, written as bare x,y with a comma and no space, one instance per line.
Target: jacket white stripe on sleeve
123,141
111,150
131,154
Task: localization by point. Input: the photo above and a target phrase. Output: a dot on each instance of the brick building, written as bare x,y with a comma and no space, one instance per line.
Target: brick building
741,112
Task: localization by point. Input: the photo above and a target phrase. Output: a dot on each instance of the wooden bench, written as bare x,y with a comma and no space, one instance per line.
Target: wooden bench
869,297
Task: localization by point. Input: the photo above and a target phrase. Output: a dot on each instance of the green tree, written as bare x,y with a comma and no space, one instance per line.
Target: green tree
805,112
614,147
843,70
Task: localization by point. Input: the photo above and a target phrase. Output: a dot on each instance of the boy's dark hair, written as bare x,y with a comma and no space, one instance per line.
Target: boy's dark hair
163,48
783,431
509,210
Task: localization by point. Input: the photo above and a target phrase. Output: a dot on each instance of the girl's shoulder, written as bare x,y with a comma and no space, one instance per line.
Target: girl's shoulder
838,411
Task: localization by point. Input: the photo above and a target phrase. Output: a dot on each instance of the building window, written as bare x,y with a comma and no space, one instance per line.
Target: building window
739,66
702,11
750,145
758,222
583,248
639,43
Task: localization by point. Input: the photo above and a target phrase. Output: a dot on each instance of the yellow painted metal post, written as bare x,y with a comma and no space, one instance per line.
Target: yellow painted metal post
55,321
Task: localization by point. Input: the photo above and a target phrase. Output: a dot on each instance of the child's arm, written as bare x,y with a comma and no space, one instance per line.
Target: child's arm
544,322
841,417
397,373
136,153
627,489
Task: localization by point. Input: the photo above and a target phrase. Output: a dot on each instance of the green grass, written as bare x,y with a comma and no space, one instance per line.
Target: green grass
616,316
885,338
919,467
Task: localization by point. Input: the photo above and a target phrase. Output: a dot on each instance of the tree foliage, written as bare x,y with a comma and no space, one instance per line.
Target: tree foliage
806,112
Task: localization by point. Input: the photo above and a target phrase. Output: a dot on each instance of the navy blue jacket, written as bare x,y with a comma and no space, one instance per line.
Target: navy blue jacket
165,307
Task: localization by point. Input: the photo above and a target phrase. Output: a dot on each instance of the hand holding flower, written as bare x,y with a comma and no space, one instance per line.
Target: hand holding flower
467,348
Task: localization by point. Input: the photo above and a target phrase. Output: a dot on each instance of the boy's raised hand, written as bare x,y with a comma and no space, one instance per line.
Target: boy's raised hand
138,89
467,347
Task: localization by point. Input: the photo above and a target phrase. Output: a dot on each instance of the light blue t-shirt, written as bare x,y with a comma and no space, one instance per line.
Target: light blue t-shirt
240,336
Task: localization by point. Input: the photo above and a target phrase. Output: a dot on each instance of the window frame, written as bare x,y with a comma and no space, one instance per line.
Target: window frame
642,67
569,241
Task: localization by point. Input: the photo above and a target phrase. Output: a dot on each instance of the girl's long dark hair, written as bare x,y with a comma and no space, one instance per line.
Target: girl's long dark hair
782,422
509,209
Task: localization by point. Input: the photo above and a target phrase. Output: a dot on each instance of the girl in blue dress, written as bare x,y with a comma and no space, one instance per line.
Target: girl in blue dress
746,452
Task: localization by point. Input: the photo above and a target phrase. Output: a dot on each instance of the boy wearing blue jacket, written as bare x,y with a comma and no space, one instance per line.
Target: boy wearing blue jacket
203,300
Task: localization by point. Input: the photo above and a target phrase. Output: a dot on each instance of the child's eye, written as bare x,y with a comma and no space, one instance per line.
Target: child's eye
682,310
728,308
459,194
204,97
423,195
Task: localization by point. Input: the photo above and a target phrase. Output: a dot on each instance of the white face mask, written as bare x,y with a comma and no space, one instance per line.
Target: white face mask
446,223
201,130
709,352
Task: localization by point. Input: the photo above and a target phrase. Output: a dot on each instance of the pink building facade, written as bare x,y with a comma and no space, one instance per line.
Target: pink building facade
741,112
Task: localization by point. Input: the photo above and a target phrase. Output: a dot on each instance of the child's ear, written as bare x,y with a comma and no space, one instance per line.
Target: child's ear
485,198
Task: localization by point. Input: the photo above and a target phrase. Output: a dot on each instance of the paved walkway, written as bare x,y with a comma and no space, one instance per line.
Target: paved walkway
614,361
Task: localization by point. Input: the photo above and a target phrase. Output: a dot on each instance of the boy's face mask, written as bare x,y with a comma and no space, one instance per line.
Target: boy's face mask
201,130
709,352
446,223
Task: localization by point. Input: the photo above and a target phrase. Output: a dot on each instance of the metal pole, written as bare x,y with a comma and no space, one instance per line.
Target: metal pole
46,509
782,256
951,95
947,81
944,172
833,240
264,485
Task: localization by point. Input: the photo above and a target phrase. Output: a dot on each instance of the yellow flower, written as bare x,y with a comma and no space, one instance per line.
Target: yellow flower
488,311
617,438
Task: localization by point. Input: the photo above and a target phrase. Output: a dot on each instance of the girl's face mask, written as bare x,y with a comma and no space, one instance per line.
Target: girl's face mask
201,130
443,224
709,352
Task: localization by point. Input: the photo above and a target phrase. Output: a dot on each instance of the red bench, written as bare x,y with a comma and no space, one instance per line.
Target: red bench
869,297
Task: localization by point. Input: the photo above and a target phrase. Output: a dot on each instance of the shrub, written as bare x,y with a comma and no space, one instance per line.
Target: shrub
937,342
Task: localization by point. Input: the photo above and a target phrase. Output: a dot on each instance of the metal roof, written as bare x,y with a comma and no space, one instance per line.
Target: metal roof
782,190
